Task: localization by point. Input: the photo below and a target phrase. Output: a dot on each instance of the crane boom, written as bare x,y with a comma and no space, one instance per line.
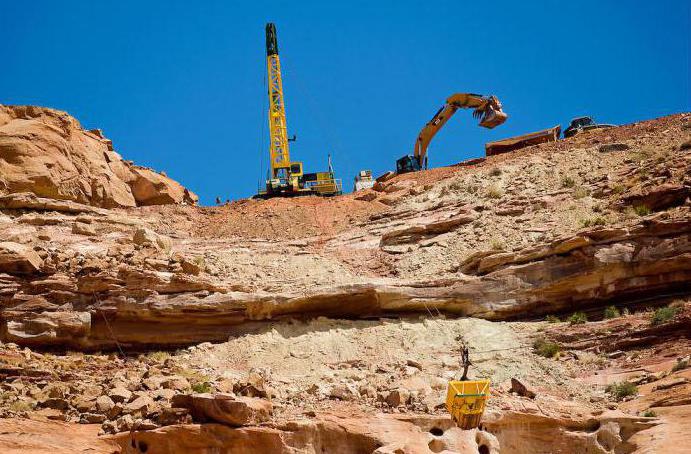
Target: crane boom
278,128
286,178
487,109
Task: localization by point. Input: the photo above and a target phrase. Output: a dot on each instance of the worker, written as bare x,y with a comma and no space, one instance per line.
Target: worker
465,358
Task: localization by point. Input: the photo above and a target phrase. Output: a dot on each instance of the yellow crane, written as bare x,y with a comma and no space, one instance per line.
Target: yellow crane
287,178
487,109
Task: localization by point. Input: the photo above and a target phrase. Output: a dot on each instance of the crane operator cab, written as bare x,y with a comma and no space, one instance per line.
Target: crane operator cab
285,178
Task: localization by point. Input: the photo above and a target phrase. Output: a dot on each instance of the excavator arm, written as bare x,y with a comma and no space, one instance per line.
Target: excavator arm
487,110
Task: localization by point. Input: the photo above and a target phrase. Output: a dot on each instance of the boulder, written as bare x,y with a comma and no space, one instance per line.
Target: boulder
104,404
397,397
81,228
151,188
18,258
140,406
343,392
225,408
147,237
658,197
120,394
520,389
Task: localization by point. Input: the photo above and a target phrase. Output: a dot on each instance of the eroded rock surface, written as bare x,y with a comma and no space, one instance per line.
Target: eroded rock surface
46,152
347,313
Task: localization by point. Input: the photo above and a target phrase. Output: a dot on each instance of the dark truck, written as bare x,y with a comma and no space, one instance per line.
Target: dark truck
581,124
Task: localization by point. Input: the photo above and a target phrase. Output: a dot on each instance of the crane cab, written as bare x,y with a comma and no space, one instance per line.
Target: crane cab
284,180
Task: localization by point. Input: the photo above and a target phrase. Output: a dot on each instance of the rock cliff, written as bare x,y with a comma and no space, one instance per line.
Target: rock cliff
337,322
46,152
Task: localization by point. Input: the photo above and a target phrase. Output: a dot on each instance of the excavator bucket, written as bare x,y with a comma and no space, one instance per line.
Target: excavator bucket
492,117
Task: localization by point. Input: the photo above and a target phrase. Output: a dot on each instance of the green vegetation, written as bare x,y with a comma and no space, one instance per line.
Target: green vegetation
546,348
593,222
21,406
495,191
680,365
611,312
158,357
580,192
552,319
567,182
622,389
577,318
641,210
663,315
497,245
649,414
456,185
202,387
618,189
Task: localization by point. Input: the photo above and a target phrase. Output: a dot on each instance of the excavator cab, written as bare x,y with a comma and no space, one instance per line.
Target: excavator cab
408,163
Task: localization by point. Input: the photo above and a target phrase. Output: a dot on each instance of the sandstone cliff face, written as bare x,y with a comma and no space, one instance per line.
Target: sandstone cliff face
347,313
46,152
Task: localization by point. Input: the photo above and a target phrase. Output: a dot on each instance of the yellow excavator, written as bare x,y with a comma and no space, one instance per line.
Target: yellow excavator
487,109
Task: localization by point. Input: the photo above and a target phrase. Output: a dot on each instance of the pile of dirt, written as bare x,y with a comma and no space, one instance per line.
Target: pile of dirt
281,219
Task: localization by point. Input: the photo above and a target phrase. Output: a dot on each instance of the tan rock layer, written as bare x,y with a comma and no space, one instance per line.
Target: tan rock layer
140,308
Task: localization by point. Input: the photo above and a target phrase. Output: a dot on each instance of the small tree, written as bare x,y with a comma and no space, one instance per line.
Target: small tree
611,312
577,318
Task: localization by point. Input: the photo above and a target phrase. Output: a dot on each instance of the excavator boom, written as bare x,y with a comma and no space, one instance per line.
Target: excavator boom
486,108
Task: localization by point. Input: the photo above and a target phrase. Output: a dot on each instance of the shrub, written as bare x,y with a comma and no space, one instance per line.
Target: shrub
641,210
649,414
495,172
21,406
618,189
158,357
456,185
497,245
680,365
593,222
612,312
552,319
546,348
567,182
495,192
580,192
622,389
201,387
577,318
663,315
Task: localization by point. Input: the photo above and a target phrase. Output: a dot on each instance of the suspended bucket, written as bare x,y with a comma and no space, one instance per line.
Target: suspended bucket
465,400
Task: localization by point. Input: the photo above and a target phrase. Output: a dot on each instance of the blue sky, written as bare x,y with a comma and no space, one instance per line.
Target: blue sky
179,86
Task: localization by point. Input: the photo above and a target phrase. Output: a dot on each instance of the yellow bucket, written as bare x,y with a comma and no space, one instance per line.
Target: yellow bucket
465,400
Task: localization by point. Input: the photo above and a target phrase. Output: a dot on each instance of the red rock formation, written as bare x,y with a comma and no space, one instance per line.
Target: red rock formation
46,152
